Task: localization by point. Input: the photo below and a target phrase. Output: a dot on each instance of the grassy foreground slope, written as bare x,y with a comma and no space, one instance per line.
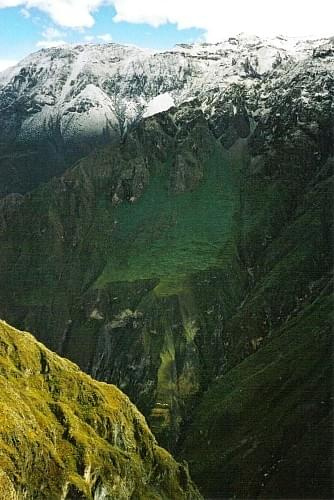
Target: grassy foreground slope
63,435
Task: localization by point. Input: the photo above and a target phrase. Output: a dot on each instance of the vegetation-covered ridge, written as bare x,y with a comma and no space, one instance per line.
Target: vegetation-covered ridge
65,436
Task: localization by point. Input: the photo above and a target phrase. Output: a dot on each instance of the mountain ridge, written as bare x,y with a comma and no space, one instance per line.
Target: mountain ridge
62,102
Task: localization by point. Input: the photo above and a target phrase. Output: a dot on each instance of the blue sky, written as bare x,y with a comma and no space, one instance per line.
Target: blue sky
28,25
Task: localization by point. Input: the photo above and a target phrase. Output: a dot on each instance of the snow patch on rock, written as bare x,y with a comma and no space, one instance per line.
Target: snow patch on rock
162,102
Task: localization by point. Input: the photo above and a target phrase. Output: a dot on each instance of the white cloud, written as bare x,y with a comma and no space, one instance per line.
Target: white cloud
218,18
105,38
67,13
25,13
52,33
47,44
7,63
52,38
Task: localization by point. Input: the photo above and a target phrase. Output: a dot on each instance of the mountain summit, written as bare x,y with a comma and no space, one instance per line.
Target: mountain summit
59,103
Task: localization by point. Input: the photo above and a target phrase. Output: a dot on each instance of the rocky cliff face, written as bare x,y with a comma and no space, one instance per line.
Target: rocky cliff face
191,260
66,436
58,104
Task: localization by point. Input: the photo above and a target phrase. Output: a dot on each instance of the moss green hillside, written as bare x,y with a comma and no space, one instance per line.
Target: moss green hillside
63,435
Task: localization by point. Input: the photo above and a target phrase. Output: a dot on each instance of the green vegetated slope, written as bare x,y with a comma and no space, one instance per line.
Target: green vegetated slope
63,435
115,245
188,262
265,428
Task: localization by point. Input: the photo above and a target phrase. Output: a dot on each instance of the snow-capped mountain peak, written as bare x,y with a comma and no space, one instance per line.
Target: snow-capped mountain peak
87,93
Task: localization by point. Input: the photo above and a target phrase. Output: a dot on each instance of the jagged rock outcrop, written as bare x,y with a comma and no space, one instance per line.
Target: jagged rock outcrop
65,436
184,261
